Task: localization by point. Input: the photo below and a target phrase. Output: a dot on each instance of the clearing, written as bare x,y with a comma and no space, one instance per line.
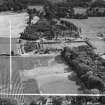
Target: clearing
46,74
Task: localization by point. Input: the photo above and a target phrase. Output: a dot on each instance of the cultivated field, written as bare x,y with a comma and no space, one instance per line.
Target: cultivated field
18,23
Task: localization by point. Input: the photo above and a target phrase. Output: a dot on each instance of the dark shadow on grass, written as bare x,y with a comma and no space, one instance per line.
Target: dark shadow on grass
30,87
68,69
59,59
75,78
79,83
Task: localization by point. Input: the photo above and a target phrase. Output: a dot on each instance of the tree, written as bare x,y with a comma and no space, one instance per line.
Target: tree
33,103
7,101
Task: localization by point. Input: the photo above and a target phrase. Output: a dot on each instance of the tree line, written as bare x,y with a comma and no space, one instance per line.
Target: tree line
88,66
57,100
17,5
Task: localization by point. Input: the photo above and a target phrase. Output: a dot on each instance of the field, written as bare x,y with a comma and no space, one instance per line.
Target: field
4,26
41,75
17,21
4,73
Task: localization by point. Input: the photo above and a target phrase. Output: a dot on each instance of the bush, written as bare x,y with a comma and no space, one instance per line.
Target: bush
33,103
80,68
102,99
7,101
93,81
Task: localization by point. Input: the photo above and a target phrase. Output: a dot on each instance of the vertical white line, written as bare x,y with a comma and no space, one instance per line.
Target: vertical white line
10,60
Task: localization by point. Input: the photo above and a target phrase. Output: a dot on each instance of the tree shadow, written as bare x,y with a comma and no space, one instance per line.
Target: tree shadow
74,77
59,59
68,69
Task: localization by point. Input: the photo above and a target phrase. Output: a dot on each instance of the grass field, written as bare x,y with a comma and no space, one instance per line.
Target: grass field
4,45
17,21
4,26
20,64
46,74
4,72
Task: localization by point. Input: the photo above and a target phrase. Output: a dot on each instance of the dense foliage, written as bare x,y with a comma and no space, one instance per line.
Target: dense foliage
96,11
36,31
98,3
29,46
48,29
14,5
87,3
17,5
89,67
58,100
8,101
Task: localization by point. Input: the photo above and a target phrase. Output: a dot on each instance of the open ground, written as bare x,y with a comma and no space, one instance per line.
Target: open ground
47,74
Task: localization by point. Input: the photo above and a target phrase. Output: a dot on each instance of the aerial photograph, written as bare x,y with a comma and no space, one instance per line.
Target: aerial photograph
52,46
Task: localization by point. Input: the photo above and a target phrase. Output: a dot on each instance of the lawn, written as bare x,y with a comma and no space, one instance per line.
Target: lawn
43,74
4,45
19,64
4,71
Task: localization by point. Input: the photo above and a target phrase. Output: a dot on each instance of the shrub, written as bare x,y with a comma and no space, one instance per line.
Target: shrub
66,53
89,67
7,101
33,103
92,81
80,68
